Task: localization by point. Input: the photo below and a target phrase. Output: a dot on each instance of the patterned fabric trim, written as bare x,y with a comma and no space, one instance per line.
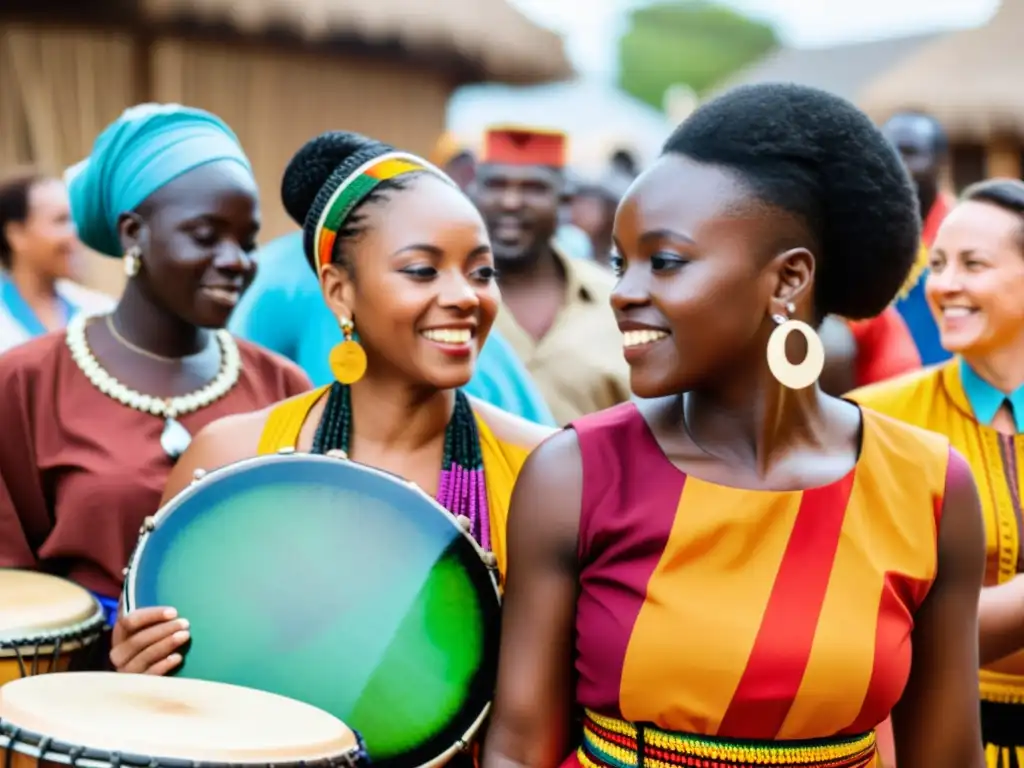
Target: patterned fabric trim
1001,689
612,743
356,188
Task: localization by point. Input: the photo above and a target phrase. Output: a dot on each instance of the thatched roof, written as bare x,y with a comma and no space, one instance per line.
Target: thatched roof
492,37
969,80
841,69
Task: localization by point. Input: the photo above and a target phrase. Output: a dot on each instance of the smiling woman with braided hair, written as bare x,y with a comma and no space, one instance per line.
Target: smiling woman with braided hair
404,262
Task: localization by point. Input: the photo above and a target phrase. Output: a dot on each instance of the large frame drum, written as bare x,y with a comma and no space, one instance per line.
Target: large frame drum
336,584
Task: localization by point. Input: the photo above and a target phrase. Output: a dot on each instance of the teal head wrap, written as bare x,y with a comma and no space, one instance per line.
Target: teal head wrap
147,147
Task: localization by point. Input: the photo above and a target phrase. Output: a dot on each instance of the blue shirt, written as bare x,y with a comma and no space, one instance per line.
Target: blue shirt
22,313
284,311
986,400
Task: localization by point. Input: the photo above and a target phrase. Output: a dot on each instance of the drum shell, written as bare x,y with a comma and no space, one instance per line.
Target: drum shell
32,659
21,760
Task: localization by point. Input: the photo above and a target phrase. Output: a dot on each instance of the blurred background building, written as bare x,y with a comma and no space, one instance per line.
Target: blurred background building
278,71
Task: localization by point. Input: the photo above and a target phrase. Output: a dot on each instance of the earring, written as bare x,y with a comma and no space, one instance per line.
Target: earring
348,359
133,261
789,375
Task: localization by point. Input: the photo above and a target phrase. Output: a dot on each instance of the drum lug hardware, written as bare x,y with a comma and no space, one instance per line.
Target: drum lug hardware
124,572
464,523
490,560
287,450
198,475
148,525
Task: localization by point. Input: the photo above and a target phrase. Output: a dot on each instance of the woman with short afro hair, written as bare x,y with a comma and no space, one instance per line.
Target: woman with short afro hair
741,570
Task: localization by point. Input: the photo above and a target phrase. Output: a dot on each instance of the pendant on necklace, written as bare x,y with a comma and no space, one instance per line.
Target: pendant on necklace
175,438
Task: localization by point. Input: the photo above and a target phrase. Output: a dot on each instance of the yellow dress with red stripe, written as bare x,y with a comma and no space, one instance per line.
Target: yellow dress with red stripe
718,626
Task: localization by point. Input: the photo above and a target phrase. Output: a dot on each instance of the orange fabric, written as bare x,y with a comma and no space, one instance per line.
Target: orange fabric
885,348
934,399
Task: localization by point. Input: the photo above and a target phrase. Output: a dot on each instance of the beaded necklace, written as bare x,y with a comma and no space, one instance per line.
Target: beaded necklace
461,489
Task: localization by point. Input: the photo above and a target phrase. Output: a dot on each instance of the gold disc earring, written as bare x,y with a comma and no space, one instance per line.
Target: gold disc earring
801,375
348,359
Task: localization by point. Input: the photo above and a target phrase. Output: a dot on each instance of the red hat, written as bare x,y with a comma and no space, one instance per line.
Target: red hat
517,145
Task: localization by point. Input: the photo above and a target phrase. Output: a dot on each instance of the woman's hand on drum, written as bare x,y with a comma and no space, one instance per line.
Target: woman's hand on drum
146,641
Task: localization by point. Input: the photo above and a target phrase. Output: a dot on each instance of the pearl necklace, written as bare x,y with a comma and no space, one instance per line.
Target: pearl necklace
175,438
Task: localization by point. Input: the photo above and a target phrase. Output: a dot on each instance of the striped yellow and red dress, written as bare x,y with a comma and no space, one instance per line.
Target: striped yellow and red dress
725,627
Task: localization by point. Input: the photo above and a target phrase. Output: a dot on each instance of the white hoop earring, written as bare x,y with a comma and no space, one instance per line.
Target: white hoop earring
786,373
133,261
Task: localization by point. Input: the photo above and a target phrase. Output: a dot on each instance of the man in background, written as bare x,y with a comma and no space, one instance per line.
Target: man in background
922,143
593,210
555,311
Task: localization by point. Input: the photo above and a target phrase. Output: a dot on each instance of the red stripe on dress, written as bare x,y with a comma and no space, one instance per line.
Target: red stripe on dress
631,492
775,668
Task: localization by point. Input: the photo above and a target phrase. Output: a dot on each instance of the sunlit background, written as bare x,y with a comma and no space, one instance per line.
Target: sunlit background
616,75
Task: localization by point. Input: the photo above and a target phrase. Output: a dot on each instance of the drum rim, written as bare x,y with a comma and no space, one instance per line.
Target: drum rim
72,633
287,456
42,747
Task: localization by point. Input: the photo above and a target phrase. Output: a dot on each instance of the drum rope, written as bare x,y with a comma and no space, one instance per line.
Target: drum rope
462,488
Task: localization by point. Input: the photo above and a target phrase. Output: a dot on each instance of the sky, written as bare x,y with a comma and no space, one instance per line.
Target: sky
592,26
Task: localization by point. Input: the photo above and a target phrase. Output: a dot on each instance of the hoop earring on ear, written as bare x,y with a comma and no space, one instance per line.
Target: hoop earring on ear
133,261
348,359
804,374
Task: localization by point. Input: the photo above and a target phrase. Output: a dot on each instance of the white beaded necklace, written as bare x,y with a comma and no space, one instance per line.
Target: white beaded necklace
175,438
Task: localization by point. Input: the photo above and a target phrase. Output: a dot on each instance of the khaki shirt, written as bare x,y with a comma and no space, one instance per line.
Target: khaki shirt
578,364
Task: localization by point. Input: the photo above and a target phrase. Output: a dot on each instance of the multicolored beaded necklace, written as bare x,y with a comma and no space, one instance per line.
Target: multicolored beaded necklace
461,489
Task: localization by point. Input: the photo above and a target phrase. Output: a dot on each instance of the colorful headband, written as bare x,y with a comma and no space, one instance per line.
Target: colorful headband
355,189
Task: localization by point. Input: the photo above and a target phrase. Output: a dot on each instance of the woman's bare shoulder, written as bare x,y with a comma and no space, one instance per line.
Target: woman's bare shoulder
510,428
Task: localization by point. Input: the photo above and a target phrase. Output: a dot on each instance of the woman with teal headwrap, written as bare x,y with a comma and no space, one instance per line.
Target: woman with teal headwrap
94,417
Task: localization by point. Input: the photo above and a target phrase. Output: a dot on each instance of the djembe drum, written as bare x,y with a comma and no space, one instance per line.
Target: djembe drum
47,624
107,720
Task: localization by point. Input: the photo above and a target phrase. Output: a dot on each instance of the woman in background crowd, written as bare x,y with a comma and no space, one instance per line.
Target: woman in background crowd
975,288
95,417
38,247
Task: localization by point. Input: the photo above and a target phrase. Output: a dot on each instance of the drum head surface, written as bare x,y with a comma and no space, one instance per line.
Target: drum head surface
172,718
334,584
34,603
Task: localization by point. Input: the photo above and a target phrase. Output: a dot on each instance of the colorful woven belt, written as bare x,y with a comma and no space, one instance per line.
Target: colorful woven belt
612,743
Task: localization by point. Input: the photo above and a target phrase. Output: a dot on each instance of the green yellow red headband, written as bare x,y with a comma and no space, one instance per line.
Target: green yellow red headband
355,189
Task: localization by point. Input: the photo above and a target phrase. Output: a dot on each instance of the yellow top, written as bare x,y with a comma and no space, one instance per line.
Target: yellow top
502,460
935,400
578,364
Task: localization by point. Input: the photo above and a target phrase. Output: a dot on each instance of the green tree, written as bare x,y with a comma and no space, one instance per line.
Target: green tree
687,41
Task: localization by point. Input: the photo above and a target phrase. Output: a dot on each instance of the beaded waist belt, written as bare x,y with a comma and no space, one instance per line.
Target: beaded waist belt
612,743
1001,688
